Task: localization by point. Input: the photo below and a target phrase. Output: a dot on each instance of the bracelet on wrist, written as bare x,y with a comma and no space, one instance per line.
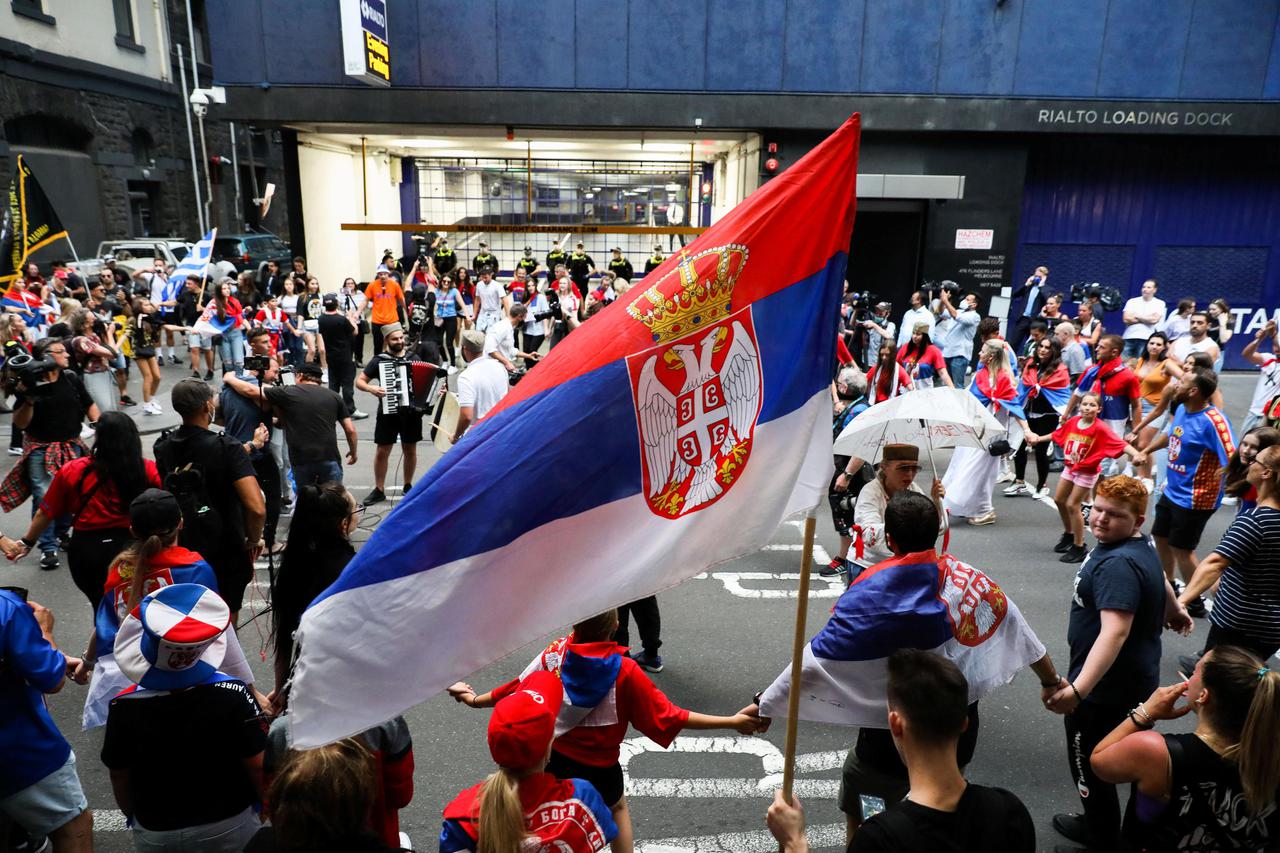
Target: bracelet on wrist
1141,726
1072,685
1057,682
29,543
1142,709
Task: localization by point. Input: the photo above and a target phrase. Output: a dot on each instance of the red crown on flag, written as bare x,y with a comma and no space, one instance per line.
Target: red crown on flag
703,295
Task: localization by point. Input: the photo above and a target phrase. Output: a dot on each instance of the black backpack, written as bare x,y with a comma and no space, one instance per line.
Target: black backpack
204,529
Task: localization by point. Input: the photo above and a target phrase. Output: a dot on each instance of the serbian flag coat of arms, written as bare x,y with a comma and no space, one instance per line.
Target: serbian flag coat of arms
674,430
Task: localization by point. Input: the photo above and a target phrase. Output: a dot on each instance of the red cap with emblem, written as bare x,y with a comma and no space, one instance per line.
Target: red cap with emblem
524,723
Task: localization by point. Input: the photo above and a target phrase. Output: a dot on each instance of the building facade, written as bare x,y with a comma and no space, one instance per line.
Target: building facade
1110,140
91,95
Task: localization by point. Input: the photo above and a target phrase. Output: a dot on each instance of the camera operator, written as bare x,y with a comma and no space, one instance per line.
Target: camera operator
878,328
500,340
51,404
309,413
957,324
338,331
405,425
245,421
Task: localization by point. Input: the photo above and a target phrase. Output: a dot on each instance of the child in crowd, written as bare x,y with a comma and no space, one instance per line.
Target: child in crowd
522,800
607,692
1085,442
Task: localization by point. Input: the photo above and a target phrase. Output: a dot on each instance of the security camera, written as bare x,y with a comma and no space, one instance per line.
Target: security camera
199,103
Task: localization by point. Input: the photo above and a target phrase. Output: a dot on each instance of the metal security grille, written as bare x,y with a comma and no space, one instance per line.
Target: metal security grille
544,193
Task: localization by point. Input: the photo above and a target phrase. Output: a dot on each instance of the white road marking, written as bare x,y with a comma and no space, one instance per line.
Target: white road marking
771,760
108,820
757,841
733,584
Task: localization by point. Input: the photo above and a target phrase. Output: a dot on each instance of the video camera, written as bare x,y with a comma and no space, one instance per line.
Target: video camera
257,363
23,371
1108,297
288,376
861,304
933,290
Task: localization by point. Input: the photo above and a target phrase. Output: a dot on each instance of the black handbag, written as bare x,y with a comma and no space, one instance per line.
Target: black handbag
999,447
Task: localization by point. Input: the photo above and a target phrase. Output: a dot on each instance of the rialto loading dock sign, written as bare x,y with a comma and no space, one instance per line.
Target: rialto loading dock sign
366,48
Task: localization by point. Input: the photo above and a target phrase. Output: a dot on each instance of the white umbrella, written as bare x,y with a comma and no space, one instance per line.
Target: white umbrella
928,418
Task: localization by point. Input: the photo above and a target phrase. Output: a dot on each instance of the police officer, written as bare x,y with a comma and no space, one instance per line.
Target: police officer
484,259
444,258
620,266
581,267
556,256
529,263
655,260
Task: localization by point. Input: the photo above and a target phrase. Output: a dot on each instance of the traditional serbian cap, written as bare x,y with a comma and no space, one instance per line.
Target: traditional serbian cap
921,327
524,723
174,638
900,452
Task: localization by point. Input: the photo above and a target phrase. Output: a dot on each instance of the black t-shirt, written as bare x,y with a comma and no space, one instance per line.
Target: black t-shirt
59,409
222,461
214,727
1122,576
984,819
144,332
337,333
188,306
310,414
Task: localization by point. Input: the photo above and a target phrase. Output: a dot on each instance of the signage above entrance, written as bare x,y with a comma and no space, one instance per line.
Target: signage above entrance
366,46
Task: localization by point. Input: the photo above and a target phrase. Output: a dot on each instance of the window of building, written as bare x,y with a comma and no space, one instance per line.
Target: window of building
126,37
142,207
33,9
143,148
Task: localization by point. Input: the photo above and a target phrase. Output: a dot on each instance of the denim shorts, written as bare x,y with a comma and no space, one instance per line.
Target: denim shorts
195,340
53,802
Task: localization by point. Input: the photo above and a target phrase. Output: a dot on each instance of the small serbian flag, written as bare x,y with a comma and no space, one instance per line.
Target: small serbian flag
918,601
705,393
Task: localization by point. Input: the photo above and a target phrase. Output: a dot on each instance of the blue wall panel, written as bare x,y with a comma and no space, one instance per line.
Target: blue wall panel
460,45
1141,53
1174,49
1060,47
744,51
402,21
598,68
544,63
300,48
900,45
1202,216
668,45
979,47
809,62
1228,48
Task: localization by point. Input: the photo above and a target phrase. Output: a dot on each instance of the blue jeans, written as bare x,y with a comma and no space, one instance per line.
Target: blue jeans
1134,348
957,366
232,348
306,473
40,482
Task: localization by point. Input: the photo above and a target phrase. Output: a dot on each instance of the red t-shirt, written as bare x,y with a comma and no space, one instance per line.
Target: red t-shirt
1084,448
103,511
638,704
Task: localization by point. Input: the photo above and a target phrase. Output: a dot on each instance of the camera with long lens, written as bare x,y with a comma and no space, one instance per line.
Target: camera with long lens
257,363
1084,290
933,290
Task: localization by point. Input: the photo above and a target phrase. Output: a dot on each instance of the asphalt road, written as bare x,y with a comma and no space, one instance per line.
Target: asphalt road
726,636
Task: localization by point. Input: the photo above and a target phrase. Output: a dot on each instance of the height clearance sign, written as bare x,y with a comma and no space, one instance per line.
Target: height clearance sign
366,47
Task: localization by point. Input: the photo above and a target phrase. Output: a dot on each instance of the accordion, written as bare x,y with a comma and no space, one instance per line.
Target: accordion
410,385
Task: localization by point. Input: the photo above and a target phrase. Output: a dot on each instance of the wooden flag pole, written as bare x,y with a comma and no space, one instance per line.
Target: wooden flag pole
797,656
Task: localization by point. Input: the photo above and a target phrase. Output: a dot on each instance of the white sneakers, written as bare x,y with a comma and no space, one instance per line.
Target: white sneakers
151,407
1017,489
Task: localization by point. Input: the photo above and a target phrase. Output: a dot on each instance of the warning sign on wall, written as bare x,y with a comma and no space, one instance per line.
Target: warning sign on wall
974,238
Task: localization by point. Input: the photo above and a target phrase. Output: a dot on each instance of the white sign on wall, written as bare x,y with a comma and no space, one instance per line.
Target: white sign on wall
366,47
974,238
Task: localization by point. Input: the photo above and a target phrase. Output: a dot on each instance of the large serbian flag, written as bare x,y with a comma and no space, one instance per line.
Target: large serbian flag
673,431
919,601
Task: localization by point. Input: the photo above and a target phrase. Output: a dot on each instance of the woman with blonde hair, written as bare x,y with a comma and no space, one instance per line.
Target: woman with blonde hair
510,807
1215,788
971,476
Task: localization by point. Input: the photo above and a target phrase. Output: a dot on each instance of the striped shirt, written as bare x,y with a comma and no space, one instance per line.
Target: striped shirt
1248,598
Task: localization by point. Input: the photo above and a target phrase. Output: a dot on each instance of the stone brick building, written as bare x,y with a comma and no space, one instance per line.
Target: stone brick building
91,96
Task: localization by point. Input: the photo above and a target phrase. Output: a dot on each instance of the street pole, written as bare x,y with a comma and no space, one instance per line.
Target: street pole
235,170
191,141
208,182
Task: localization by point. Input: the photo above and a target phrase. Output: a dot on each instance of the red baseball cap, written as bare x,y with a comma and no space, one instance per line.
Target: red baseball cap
524,723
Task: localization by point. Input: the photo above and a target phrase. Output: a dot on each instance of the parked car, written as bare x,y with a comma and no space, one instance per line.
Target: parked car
250,251
133,255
